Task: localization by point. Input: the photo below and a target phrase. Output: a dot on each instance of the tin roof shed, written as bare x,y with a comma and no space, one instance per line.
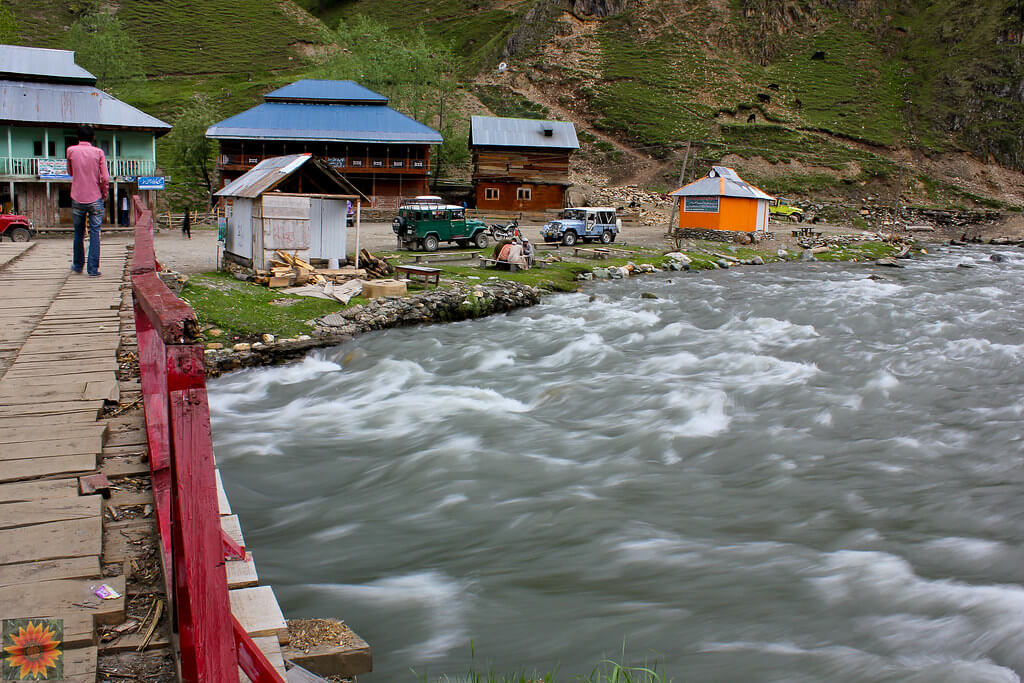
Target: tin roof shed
493,131
721,181
68,103
271,174
22,63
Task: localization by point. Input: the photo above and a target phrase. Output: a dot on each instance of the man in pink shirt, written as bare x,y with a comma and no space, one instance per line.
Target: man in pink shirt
89,181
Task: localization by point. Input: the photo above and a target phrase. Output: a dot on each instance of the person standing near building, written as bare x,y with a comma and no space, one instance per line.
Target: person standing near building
124,211
186,224
89,182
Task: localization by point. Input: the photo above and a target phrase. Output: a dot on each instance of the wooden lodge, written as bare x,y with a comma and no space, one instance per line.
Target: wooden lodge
521,164
383,153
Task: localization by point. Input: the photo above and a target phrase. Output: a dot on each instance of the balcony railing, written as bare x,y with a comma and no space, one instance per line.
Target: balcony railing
29,166
350,163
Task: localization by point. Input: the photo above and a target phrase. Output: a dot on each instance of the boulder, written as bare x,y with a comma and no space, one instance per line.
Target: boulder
997,258
757,261
648,295
267,339
722,263
807,255
241,347
679,257
889,262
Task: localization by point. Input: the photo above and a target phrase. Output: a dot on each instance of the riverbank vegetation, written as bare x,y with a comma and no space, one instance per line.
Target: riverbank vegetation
232,310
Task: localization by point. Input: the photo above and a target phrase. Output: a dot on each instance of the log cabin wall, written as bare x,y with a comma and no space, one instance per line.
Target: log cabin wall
498,174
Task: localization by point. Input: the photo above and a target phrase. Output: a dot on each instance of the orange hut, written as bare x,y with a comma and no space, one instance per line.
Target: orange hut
722,201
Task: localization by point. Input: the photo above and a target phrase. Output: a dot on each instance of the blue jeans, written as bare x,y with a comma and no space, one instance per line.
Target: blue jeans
79,211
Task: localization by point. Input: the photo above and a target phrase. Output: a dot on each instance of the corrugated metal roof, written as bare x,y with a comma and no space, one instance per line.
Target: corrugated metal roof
492,131
35,63
721,182
264,176
324,122
338,92
70,104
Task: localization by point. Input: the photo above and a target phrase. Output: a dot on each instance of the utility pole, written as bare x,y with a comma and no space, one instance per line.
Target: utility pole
682,178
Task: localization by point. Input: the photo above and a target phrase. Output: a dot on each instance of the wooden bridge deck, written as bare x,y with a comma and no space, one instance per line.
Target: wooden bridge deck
60,339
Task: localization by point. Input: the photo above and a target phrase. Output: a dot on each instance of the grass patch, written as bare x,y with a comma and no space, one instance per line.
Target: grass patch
504,101
246,311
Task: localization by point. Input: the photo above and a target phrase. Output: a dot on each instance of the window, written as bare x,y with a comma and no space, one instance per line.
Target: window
37,148
53,148
491,193
524,194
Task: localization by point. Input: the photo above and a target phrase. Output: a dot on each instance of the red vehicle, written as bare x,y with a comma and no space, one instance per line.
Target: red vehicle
17,228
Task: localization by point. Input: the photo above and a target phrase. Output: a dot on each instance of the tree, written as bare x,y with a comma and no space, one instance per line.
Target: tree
191,153
103,46
414,72
8,26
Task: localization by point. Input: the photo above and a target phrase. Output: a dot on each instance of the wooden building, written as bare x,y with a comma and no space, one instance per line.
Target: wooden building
295,203
722,201
44,97
382,152
521,164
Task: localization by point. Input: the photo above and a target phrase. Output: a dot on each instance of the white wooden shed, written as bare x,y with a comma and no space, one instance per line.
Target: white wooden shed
294,203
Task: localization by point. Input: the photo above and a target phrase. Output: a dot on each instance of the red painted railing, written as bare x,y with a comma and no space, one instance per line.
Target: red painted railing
211,641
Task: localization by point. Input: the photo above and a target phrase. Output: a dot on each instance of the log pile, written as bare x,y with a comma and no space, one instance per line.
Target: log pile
375,267
288,270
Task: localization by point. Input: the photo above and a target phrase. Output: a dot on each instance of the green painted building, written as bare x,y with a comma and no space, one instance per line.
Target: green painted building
44,97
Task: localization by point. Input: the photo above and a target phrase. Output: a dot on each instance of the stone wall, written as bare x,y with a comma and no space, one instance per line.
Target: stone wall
715,235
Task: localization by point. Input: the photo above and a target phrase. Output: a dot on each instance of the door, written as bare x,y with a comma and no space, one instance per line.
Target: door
316,227
332,216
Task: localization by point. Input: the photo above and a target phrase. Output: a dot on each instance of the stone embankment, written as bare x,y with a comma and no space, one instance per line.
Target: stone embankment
438,305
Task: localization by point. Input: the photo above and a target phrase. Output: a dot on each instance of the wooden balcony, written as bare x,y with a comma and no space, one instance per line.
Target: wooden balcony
351,164
28,167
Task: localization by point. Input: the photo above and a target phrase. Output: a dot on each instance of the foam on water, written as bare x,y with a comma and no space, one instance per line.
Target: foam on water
786,473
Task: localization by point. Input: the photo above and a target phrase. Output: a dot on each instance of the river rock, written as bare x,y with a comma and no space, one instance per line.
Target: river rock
679,257
782,254
267,339
997,258
616,273
215,332
601,273
757,261
585,276
889,262
722,263
807,255
676,265
238,348
965,264
648,295
213,346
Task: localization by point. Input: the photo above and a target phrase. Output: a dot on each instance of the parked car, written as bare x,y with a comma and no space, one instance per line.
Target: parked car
783,207
586,223
425,223
17,228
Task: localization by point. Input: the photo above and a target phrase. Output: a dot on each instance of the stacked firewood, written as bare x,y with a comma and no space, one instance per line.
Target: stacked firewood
375,267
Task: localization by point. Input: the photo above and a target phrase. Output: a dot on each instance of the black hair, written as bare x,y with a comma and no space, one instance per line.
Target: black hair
86,134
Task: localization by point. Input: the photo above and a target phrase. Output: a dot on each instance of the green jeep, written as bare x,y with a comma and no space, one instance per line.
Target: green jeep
782,207
424,225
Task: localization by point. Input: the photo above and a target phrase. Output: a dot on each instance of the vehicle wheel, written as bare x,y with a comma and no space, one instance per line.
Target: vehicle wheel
462,243
430,243
798,217
480,240
606,237
19,234
569,238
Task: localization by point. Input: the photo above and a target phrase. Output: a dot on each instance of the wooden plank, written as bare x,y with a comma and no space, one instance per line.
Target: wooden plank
51,541
67,596
14,515
16,470
53,408
105,390
51,447
258,612
33,490
241,573
30,435
271,649
233,528
80,665
50,570
222,497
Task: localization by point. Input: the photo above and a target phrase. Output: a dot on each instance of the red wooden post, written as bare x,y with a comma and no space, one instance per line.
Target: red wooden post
201,588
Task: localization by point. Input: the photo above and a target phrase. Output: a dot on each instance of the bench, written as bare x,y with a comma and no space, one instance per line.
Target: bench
591,253
428,274
495,263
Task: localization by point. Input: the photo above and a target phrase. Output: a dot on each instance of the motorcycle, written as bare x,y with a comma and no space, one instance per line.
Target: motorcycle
509,231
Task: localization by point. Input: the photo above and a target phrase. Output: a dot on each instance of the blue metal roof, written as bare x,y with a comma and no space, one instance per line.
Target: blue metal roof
18,62
71,104
325,123
326,92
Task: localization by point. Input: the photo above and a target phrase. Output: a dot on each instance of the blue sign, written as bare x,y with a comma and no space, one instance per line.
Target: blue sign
150,182
54,169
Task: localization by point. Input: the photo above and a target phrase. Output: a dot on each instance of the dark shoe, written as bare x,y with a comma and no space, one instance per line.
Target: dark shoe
96,274
77,271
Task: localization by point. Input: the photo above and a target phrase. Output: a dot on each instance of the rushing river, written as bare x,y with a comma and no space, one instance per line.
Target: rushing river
806,472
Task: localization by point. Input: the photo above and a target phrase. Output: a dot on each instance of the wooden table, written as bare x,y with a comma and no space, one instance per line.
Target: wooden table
428,274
